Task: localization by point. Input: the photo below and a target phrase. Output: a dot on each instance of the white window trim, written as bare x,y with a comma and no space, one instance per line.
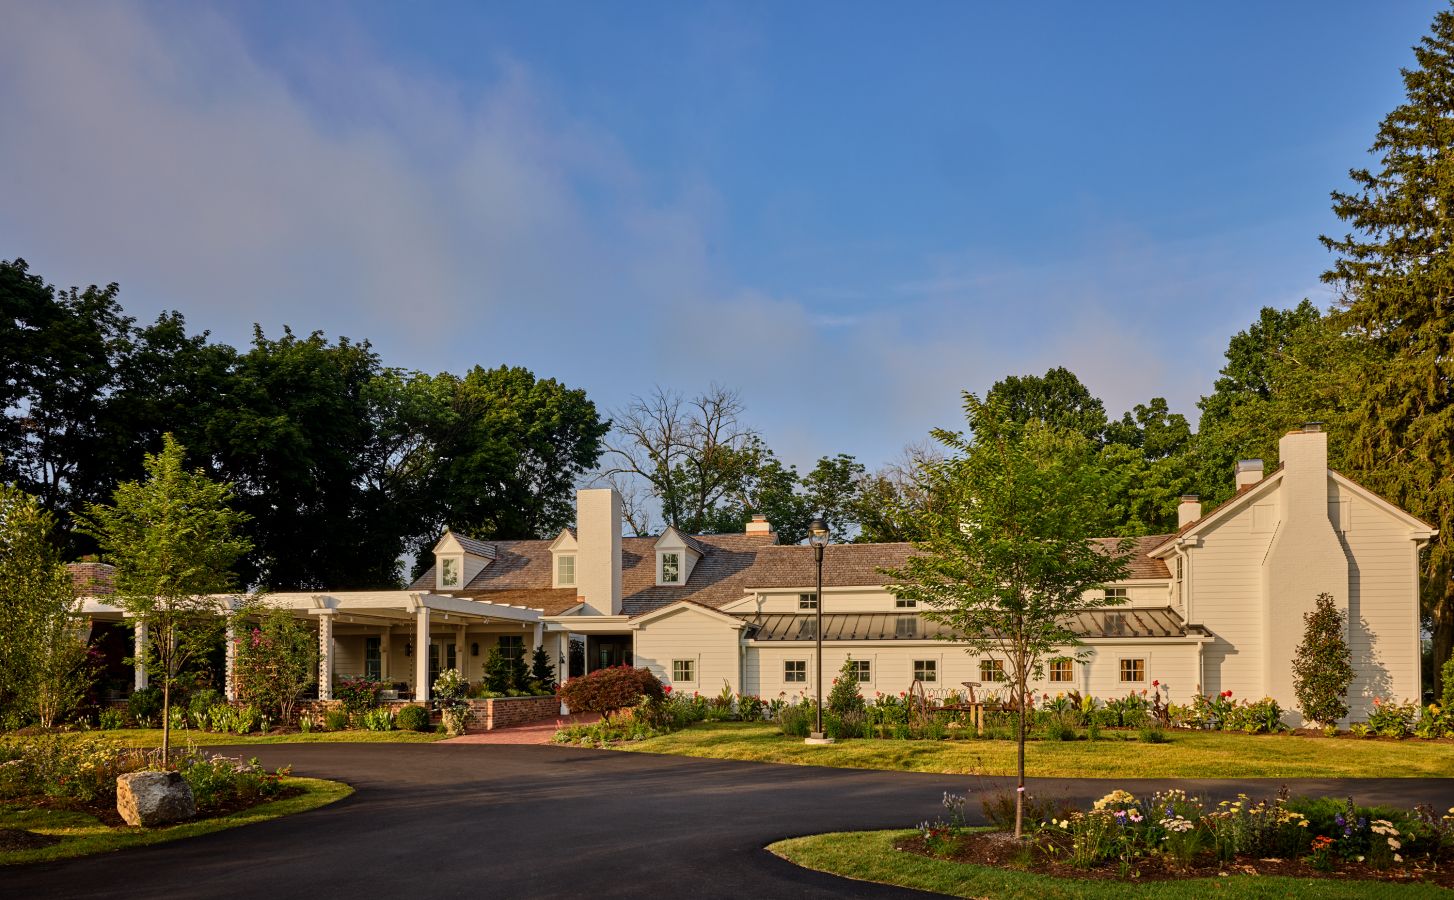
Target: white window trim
690,661
806,673
560,582
805,604
1121,670
661,568
458,560
914,670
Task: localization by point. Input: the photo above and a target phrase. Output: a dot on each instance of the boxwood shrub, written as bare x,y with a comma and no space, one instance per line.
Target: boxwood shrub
412,718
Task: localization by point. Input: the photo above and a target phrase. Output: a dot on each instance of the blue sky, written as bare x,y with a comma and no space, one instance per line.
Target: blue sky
847,212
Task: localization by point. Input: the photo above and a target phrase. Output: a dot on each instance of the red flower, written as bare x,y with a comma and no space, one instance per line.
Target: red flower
666,689
1156,683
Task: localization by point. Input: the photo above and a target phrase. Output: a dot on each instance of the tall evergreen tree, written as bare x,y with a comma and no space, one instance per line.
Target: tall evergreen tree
1395,272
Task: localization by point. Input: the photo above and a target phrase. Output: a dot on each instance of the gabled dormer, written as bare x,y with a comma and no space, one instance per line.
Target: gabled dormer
563,559
458,559
676,556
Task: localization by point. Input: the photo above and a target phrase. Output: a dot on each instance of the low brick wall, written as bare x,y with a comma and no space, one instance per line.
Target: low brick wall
502,712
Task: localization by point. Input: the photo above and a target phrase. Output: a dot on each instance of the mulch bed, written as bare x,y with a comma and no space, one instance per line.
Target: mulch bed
107,815
1000,850
19,839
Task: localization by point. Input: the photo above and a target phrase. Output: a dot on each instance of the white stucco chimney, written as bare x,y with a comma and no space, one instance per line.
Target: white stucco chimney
1249,471
759,525
1188,510
598,553
1306,556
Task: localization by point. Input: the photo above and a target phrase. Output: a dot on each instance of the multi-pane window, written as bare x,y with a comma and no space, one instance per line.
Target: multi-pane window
926,670
1114,595
684,670
991,670
860,669
373,659
512,647
671,568
807,629
565,571
1115,624
449,572
795,671
906,627
1133,670
807,601
1062,670
901,603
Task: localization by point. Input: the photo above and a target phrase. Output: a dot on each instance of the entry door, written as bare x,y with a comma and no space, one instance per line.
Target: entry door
441,657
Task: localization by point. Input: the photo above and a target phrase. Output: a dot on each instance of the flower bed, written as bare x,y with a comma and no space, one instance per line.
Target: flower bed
1174,835
65,772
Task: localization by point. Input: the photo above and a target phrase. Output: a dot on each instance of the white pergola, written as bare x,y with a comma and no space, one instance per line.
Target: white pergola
386,608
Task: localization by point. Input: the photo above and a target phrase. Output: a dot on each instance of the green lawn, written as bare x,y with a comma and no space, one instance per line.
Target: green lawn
152,737
870,856
1198,754
84,835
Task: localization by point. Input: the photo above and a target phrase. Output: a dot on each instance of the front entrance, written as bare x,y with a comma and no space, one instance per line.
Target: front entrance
607,650
441,656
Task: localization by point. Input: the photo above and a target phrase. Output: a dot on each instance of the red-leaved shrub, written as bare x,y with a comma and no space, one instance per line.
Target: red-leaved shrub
605,691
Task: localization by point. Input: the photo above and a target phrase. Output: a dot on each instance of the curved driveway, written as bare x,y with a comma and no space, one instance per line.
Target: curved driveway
520,821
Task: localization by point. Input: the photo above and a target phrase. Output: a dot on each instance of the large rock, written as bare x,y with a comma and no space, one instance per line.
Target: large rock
154,798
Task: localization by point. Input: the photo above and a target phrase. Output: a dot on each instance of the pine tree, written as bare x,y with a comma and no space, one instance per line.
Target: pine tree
1395,272
1323,667
844,699
540,668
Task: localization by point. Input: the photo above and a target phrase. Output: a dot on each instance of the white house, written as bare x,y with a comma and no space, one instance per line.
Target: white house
1216,606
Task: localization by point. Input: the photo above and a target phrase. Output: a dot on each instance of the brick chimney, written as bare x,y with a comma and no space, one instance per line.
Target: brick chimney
1249,471
1188,510
759,525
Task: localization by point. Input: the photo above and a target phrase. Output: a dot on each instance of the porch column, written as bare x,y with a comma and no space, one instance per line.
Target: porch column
421,654
539,636
562,664
140,653
325,655
229,669
386,671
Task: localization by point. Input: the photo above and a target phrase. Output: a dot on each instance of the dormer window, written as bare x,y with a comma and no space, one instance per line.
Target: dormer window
565,570
449,567
671,568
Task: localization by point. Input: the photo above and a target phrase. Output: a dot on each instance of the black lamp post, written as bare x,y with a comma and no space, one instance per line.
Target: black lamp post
818,539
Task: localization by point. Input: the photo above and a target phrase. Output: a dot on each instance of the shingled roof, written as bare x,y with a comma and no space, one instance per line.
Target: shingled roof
731,565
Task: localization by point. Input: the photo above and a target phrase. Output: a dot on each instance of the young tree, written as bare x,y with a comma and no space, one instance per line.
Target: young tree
173,539
540,668
1322,670
1394,273
43,657
276,657
1008,555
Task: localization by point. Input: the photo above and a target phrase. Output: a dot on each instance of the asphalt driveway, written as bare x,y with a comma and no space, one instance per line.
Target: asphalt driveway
521,821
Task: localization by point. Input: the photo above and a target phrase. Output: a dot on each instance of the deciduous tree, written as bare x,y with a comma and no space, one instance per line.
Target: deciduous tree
1008,555
174,540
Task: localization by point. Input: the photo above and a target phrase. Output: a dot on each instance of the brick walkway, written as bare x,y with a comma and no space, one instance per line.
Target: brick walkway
533,733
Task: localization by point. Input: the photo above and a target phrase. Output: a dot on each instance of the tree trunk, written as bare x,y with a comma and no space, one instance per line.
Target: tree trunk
166,720
1443,643
1020,769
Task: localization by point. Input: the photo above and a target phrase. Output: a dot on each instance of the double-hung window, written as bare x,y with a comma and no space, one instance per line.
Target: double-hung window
1133,670
565,571
795,671
1062,670
683,670
671,568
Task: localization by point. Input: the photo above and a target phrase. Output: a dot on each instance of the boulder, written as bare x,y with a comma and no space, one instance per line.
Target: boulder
154,798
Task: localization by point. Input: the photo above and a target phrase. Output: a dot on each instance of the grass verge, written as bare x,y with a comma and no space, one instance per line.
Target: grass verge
152,737
83,835
870,856
1186,754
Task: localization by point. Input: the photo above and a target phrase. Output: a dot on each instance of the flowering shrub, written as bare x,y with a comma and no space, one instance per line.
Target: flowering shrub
358,694
220,783
609,690
1434,722
1390,719
450,689
1262,717
64,767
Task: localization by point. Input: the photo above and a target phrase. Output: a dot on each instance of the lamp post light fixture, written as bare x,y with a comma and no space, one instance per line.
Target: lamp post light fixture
818,540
